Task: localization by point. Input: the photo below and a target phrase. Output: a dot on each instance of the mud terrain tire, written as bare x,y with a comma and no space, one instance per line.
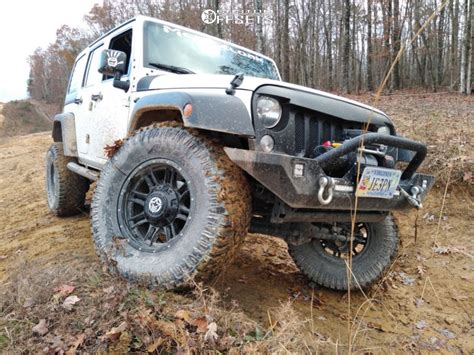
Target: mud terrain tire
66,191
217,195
367,267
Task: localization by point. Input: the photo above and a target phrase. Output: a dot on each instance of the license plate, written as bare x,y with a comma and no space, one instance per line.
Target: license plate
378,182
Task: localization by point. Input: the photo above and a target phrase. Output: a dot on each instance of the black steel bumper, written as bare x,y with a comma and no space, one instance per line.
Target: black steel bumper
277,173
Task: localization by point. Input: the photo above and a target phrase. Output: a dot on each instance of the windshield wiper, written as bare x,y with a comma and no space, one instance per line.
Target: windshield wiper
171,68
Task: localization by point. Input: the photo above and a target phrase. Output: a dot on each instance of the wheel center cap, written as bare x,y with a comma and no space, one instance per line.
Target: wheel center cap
155,205
161,205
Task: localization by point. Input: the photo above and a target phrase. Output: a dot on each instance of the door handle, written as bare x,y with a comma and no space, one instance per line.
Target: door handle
78,101
97,97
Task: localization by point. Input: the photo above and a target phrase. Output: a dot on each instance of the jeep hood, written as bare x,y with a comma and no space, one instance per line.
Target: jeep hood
209,81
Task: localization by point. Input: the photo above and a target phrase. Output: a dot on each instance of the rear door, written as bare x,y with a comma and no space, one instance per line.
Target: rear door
73,101
105,108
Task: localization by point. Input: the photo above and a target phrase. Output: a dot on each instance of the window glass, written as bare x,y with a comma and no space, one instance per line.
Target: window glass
171,46
93,75
123,43
77,75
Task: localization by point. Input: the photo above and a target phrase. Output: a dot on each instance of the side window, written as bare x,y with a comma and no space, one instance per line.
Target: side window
123,42
77,75
93,75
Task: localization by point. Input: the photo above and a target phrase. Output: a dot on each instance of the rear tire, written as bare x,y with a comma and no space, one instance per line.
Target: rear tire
169,207
65,190
380,247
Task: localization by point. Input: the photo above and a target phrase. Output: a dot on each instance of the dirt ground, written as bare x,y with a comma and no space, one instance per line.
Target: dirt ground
425,303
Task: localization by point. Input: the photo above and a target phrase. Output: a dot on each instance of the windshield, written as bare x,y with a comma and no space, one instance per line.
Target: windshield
170,46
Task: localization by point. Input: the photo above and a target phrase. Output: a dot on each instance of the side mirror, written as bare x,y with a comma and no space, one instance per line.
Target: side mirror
114,63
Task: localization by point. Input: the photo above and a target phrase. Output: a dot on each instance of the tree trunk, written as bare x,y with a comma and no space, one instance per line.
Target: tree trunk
286,42
465,57
396,43
454,42
370,84
259,19
470,51
440,46
347,47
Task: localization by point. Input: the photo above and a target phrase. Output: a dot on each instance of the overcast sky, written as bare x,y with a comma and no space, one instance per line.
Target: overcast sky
26,25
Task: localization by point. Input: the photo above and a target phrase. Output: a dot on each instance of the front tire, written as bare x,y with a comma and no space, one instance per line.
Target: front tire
169,207
65,191
375,246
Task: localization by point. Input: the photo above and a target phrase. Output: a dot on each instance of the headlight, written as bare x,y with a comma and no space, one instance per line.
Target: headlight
269,111
384,130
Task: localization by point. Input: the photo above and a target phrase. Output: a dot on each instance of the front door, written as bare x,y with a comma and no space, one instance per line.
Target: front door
105,109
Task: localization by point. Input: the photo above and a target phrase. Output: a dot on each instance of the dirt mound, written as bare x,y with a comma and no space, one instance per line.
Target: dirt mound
22,117
55,297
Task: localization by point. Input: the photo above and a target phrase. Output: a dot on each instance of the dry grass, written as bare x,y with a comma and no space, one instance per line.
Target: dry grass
113,315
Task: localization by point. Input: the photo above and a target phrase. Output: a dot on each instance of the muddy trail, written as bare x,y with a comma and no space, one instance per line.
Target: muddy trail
425,302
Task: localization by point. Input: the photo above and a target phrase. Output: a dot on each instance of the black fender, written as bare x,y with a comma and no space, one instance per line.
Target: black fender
64,130
210,111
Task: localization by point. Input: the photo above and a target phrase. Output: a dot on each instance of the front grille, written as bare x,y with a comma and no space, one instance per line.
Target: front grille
300,131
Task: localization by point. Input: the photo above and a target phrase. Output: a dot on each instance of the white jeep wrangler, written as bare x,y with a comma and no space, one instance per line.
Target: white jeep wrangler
197,141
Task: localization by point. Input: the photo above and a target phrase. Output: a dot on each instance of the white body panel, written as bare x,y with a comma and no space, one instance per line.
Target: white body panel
101,122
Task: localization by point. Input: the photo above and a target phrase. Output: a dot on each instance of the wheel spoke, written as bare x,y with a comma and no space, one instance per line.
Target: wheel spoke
154,236
184,210
184,194
153,178
167,233
170,176
138,201
181,217
173,230
139,223
149,181
140,195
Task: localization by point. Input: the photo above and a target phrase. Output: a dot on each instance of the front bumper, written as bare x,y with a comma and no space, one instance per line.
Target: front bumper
277,173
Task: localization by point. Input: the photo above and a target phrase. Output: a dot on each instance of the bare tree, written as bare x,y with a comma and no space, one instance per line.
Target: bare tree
347,46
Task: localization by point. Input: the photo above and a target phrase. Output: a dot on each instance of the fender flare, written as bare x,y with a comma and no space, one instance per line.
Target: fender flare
64,130
210,111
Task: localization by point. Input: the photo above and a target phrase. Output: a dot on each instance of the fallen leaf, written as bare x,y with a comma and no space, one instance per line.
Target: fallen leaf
419,302
468,177
76,344
200,324
155,345
65,290
447,333
421,270
167,328
108,289
40,328
115,332
110,149
421,324
3,257
406,279
441,250
29,302
211,334
62,291
70,301
184,315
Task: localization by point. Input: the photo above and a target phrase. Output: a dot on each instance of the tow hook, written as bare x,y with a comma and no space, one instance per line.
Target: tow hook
323,182
413,199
